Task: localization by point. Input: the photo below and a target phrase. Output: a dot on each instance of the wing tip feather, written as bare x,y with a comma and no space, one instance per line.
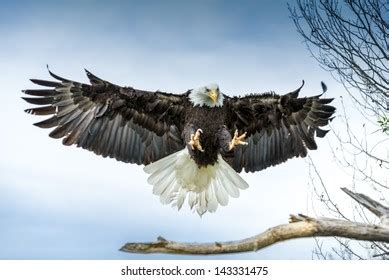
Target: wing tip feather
56,76
323,86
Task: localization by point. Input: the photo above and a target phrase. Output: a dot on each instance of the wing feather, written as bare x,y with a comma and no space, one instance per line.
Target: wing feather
278,127
130,125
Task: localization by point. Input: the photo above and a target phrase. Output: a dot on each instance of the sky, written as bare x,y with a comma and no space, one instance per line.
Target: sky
60,202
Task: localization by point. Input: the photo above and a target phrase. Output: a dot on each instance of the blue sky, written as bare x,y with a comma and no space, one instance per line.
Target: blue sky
58,202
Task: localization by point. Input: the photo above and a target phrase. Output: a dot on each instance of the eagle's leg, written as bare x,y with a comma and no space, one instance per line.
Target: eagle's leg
195,140
237,140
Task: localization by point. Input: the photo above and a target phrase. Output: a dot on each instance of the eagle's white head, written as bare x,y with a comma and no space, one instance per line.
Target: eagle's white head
209,96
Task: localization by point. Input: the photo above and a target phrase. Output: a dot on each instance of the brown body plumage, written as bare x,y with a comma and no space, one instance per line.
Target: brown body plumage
199,117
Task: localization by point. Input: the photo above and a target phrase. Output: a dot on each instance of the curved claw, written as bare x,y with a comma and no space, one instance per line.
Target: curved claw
237,140
195,140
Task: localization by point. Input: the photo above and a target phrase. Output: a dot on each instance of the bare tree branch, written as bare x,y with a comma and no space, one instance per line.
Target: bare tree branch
350,39
375,207
300,226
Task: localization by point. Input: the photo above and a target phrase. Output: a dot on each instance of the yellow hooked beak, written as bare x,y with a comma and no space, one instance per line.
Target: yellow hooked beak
213,94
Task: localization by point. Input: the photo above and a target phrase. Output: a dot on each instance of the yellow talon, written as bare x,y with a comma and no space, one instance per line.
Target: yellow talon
195,140
237,140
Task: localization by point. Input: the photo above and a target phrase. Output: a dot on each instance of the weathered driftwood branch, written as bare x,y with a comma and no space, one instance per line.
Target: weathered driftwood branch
299,226
375,207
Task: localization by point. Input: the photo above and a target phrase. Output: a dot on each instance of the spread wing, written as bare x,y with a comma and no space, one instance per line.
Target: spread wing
124,123
278,127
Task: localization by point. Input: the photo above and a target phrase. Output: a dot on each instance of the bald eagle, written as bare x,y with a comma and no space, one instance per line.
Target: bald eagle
193,144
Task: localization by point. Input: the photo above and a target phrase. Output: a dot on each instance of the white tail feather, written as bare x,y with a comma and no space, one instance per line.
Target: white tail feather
177,176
